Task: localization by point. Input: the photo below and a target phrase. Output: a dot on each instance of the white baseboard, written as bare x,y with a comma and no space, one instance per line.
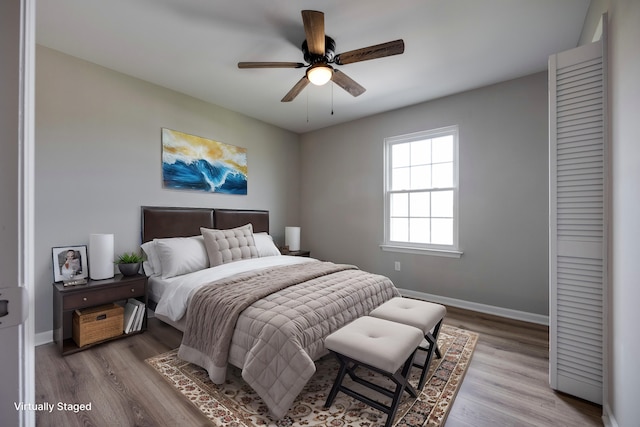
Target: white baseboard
607,417
43,338
482,308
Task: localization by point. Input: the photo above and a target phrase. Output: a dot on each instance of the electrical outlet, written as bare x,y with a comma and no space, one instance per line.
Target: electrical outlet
397,266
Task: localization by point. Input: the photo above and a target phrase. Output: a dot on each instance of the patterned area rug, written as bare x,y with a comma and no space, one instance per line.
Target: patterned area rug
235,404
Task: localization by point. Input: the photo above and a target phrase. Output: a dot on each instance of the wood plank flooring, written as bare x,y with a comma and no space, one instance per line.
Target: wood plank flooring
506,384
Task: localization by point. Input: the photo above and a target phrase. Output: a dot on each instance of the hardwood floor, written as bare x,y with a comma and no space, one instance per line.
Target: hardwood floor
122,388
506,384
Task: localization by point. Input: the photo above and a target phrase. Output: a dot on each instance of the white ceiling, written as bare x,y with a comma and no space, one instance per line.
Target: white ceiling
193,46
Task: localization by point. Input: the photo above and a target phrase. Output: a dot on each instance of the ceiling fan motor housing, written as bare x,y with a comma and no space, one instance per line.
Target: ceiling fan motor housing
329,52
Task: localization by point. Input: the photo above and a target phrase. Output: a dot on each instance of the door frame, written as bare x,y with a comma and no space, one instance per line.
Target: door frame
18,107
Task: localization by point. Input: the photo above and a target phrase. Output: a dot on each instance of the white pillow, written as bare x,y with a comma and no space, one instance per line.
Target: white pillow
181,255
265,245
151,265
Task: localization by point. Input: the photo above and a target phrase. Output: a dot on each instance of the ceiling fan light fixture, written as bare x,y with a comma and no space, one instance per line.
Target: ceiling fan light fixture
319,74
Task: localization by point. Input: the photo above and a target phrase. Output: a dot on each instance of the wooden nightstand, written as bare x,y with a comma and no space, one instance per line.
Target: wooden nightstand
94,293
296,253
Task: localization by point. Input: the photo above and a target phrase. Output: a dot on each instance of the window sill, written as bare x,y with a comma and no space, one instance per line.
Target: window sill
448,253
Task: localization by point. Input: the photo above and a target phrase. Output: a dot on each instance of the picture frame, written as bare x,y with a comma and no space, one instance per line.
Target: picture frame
70,263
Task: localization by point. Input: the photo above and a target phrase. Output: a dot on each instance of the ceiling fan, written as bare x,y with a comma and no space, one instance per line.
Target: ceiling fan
319,52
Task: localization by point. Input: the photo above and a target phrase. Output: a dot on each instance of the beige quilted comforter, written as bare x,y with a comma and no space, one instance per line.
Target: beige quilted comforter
281,317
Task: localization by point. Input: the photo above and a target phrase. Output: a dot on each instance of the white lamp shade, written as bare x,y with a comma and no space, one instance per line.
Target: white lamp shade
101,256
292,238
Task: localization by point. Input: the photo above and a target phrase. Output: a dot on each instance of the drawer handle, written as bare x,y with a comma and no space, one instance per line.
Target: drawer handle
84,299
133,290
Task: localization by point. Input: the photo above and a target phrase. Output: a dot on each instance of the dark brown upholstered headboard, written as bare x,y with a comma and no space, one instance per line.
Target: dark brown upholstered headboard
232,218
161,222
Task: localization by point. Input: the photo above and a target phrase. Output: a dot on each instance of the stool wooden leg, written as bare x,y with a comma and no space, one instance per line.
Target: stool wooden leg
400,378
336,384
401,384
436,330
432,339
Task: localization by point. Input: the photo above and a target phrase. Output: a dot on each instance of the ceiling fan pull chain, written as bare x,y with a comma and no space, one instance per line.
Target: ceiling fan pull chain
332,98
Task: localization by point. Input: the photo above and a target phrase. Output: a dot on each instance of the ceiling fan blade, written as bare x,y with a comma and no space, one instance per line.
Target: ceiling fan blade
347,83
296,89
314,31
270,65
395,47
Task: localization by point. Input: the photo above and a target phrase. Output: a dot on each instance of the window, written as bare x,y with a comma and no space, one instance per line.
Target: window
421,192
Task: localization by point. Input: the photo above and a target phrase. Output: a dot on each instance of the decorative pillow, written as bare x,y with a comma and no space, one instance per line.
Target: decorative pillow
151,265
181,255
225,246
265,245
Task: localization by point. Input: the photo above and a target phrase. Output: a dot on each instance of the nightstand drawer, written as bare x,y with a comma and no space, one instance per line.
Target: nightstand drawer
104,296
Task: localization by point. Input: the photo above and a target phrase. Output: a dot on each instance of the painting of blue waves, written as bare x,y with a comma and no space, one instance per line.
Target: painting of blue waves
193,163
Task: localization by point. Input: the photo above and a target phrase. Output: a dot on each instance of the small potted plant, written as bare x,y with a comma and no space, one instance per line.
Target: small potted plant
129,263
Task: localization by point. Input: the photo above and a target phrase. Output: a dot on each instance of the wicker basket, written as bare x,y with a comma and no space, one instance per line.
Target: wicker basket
97,323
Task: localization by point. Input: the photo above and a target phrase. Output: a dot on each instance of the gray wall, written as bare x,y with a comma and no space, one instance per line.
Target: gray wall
98,157
98,132
503,202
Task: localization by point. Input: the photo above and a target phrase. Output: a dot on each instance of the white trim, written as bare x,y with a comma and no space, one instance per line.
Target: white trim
598,32
417,136
606,339
422,251
607,417
27,201
42,338
481,308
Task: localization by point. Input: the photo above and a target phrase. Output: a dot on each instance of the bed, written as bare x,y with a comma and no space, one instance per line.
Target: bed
216,275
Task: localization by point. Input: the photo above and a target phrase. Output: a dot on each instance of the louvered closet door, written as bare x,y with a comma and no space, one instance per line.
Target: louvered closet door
577,221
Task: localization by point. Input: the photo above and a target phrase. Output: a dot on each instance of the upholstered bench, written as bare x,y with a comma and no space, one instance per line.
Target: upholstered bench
426,316
380,345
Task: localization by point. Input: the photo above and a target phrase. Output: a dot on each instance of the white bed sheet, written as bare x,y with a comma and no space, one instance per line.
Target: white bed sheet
176,291
156,286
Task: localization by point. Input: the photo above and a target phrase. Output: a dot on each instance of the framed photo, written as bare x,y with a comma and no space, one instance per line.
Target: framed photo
70,263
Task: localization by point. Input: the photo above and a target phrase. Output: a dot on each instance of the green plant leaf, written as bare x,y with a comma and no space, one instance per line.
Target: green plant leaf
129,258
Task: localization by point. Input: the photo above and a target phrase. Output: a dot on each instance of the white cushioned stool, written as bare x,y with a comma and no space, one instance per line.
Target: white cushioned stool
426,316
383,346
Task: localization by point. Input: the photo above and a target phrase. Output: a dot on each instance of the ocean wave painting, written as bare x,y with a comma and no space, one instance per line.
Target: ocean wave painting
193,163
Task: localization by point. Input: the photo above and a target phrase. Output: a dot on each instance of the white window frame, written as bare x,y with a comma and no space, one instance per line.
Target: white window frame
452,250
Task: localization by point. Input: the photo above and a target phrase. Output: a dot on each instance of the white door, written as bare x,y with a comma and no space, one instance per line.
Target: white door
16,211
578,221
